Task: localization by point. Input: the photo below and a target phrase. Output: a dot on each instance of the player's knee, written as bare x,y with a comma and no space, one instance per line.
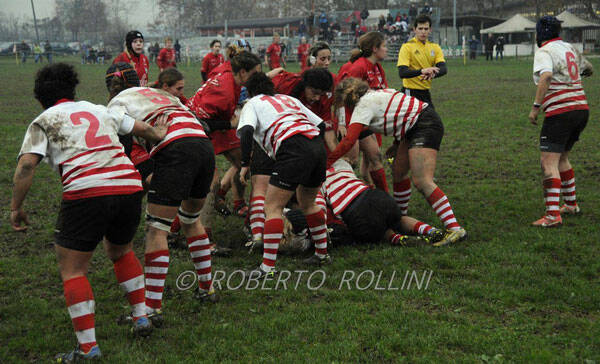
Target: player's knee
187,217
158,223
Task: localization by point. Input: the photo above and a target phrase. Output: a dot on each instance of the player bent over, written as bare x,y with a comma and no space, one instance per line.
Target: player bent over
393,113
290,134
371,215
184,164
557,71
102,194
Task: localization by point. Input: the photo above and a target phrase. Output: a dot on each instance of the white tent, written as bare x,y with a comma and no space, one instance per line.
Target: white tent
516,24
570,21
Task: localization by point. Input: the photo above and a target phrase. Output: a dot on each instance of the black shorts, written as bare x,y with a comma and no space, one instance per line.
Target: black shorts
560,132
299,161
370,215
427,132
423,95
365,133
83,223
145,168
182,170
260,162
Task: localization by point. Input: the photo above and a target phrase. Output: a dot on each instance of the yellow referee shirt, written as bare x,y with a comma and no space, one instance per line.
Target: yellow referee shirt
416,56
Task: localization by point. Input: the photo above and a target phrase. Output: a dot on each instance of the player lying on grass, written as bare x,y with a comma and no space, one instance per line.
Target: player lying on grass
290,134
393,113
557,71
102,194
184,163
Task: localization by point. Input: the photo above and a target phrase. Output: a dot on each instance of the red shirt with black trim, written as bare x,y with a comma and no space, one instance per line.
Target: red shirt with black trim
139,62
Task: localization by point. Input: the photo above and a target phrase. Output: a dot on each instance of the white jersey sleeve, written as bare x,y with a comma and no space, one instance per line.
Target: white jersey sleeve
364,112
35,141
248,117
127,123
542,63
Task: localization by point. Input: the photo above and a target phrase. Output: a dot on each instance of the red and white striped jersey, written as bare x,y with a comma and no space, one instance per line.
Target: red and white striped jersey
566,90
79,140
276,118
341,186
145,103
388,112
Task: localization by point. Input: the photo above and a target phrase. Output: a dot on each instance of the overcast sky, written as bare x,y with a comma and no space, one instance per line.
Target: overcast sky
142,15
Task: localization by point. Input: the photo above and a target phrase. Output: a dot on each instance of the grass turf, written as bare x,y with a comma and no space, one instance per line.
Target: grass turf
511,292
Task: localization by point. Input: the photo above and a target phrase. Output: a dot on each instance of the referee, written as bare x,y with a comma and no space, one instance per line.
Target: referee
420,61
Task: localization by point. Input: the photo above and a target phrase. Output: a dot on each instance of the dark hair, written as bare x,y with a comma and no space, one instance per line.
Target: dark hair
232,50
55,82
314,50
423,18
215,41
317,78
244,60
168,77
120,76
349,91
259,83
367,42
354,55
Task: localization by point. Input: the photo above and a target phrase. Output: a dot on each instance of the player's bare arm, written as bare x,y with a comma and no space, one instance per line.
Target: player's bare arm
152,133
22,181
542,89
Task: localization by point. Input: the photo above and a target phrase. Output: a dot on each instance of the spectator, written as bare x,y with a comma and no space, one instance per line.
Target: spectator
177,48
390,19
155,52
302,29
37,53
500,48
405,18
427,10
101,55
243,43
412,12
48,51
381,23
262,51
489,48
398,18
84,53
364,14
336,29
473,45
323,22
24,49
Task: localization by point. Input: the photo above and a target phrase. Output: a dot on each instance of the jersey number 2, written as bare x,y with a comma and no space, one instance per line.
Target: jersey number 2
572,66
91,139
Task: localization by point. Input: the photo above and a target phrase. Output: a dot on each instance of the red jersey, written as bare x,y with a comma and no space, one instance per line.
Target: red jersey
210,61
343,71
223,67
372,73
303,55
217,99
166,58
140,64
285,82
274,54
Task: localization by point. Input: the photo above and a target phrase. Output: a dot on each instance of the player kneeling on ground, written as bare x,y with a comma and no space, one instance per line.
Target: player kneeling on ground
102,194
393,113
557,71
291,134
371,215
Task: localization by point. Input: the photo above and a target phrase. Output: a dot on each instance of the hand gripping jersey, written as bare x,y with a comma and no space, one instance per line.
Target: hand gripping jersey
145,103
388,112
341,186
79,140
276,118
566,91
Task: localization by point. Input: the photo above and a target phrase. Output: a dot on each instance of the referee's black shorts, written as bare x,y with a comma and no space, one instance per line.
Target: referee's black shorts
423,95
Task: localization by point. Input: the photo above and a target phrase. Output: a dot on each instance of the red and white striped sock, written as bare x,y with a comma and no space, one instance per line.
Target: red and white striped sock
199,247
318,232
80,303
271,238
567,187
379,180
156,266
421,228
440,204
395,239
552,196
131,278
402,195
320,201
257,216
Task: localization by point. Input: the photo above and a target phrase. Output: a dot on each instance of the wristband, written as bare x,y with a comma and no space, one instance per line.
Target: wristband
536,105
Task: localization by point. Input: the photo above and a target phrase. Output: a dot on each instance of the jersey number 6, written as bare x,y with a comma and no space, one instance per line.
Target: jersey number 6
91,139
572,66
